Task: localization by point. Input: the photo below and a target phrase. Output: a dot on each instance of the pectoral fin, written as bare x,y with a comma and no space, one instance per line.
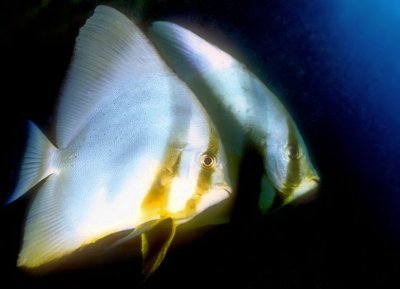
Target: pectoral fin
155,244
267,195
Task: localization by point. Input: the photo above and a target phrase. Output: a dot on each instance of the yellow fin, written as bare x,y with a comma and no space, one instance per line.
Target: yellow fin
135,233
155,244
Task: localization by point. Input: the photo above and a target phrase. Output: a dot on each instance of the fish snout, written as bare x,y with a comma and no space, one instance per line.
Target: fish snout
225,187
218,193
306,192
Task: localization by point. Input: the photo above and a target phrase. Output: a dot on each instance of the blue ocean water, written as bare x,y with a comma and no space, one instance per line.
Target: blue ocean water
333,63
366,37
363,40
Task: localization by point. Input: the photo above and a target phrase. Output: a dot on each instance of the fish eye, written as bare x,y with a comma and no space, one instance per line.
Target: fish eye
208,160
293,152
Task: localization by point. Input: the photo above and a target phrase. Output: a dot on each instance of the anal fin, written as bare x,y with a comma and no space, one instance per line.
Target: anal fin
155,244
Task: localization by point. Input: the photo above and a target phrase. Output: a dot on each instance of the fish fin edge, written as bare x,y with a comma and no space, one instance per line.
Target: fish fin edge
188,54
155,244
45,232
111,54
37,163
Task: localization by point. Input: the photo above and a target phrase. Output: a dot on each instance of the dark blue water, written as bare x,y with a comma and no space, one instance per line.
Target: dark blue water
335,65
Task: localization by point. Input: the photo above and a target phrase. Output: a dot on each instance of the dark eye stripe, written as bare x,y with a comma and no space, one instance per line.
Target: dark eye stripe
293,177
204,180
205,175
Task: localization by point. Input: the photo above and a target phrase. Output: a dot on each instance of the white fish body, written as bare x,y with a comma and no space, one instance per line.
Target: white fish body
243,109
133,147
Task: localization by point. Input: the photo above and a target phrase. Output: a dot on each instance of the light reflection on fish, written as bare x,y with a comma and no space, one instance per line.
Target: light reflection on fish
243,109
134,150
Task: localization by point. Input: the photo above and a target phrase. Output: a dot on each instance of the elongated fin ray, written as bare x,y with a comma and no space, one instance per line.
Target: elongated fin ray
134,234
155,244
187,53
37,163
111,54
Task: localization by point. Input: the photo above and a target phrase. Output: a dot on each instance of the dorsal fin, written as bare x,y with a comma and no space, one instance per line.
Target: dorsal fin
188,54
110,54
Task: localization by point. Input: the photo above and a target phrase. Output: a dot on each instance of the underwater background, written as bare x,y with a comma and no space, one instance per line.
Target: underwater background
335,65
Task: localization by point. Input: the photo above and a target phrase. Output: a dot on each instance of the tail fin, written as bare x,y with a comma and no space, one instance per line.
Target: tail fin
37,163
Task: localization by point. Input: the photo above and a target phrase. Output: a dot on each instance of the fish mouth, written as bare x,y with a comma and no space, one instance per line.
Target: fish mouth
224,187
217,195
305,192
